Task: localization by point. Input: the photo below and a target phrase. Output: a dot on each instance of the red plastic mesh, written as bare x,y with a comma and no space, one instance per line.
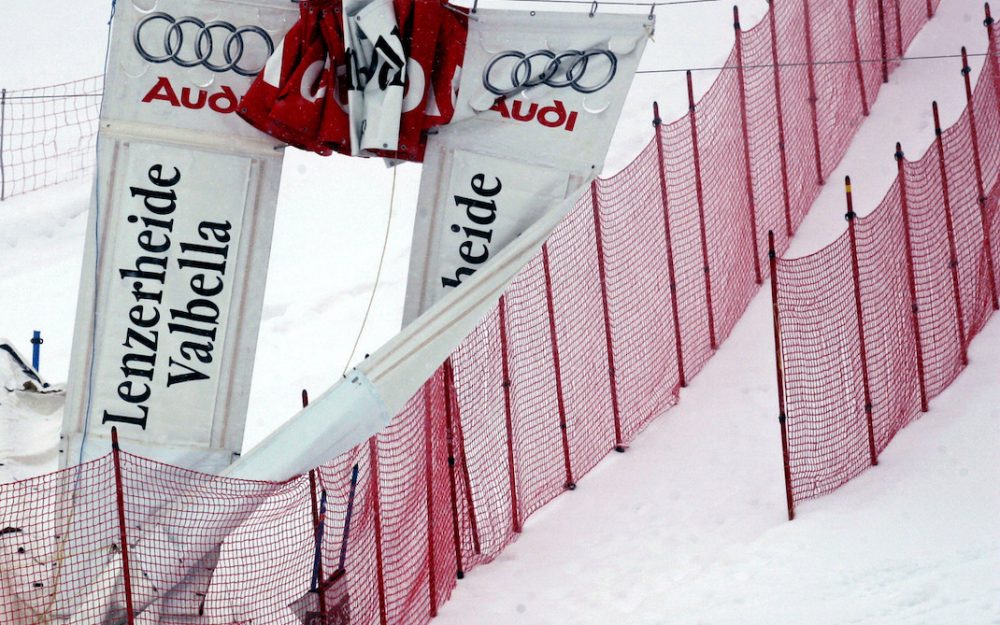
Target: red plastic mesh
436,490
49,134
827,426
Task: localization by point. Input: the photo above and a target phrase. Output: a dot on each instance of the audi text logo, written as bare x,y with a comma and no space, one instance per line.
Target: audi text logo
216,45
577,69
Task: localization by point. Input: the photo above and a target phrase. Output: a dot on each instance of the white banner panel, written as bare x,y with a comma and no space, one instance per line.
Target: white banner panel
540,96
178,238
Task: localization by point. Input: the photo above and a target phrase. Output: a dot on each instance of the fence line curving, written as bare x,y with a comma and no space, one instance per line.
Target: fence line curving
645,278
877,323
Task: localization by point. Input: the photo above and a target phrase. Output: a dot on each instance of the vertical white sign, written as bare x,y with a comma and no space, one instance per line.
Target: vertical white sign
178,237
539,99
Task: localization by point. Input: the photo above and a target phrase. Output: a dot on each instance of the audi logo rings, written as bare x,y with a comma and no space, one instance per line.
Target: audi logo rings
562,69
233,47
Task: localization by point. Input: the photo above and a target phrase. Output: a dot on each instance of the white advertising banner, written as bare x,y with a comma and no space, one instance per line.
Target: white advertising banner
179,236
539,98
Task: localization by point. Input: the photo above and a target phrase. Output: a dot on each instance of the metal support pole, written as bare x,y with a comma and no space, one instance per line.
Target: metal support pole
780,113
602,271
883,45
374,493
856,45
811,73
856,273
36,349
950,226
515,521
693,116
554,338
449,378
984,215
450,438
123,538
665,204
317,533
429,479
904,201
342,562
779,363
748,170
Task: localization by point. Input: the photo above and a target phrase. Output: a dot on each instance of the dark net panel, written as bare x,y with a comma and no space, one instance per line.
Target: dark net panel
903,248
837,90
887,318
638,277
932,273
763,135
827,436
689,251
450,483
727,207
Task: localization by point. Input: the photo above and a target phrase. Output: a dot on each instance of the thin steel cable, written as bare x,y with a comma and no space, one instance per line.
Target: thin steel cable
708,68
378,274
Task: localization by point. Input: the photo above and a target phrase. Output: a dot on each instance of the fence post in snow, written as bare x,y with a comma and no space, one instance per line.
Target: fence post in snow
883,45
123,538
3,131
700,193
451,418
508,419
856,274
748,172
771,19
977,160
460,573
317,535
950,226
856,45
779,362
602,271
374,495
811,73
553,337
449,376
429,479
665,204
904,202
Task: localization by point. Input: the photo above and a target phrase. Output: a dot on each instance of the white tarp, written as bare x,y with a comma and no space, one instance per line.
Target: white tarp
539,99
178,237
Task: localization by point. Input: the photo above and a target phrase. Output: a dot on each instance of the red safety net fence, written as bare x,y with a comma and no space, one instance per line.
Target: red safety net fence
878,322
48,134
628,299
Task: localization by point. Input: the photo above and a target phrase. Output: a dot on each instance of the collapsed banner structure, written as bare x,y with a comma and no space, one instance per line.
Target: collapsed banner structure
178,236
575,359
539,98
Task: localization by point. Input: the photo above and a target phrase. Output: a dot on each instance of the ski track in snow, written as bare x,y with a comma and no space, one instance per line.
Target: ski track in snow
689,525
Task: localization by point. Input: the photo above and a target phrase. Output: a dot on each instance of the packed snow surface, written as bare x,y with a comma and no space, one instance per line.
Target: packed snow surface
689,525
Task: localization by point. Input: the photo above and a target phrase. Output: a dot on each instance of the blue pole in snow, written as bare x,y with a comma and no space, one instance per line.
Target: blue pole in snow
36,349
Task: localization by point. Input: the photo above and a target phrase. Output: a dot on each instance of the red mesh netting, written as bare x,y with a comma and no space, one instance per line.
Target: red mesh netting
48,134
933,218
578,357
